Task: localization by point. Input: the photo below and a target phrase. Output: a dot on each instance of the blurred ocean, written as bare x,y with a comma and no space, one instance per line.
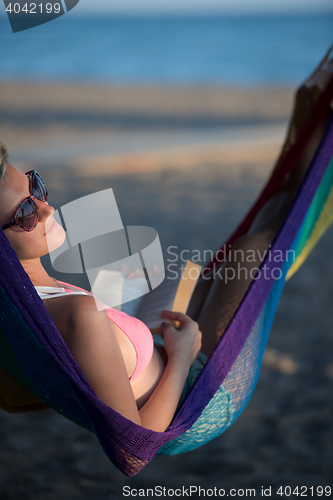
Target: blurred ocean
243,51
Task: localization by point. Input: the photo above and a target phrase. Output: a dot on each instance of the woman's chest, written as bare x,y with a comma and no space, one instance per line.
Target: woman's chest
59,310
127,350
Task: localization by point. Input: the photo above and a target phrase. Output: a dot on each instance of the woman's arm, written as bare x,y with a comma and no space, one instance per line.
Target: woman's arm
91,338
182,347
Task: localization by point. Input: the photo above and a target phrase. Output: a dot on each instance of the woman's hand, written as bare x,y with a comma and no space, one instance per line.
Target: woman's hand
182,344
137,273
182,347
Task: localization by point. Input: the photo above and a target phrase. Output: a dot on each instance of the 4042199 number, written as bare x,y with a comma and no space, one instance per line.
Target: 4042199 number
304,491
33,8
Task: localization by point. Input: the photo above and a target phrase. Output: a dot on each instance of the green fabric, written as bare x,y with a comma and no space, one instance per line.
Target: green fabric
315,209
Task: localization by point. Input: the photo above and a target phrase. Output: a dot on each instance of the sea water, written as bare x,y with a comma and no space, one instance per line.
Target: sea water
227,50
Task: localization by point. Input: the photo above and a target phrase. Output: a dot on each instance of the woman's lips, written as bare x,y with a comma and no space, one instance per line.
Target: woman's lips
51,225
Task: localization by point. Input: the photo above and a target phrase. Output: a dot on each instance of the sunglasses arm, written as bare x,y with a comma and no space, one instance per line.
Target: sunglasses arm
9,224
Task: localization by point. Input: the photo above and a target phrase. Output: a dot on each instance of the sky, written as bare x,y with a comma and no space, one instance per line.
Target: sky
192,6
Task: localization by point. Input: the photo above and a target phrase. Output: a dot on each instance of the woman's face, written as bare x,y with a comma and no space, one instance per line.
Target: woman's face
14,188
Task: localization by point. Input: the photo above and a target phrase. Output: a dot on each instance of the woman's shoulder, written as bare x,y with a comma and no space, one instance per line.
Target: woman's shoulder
72,303
76,313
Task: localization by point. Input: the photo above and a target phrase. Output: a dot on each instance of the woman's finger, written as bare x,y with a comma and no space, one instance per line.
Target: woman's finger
164,326
137,273
155,270
177,316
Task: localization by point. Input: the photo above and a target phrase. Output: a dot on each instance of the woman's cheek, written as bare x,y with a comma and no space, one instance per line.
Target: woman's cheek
25,245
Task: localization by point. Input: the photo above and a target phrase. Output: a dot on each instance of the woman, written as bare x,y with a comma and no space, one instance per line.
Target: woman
110,347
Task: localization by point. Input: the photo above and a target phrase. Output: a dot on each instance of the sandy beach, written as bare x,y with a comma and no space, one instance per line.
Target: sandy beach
188,162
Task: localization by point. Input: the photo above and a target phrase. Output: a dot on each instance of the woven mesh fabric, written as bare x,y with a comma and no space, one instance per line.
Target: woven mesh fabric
235,362
14,398
319,217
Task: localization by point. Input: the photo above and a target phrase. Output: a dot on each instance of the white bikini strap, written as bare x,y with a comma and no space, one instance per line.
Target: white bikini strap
50,292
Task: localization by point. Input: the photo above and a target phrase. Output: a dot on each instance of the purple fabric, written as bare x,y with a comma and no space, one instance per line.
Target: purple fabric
128,445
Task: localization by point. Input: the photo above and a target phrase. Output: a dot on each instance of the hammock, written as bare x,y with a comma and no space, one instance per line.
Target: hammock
37,370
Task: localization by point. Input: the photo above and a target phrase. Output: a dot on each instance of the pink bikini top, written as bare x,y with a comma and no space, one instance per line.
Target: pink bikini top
136,331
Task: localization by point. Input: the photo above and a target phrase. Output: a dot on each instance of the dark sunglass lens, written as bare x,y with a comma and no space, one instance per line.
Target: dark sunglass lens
27,216
38,188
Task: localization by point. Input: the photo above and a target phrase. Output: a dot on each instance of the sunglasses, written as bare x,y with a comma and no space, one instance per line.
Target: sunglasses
27,215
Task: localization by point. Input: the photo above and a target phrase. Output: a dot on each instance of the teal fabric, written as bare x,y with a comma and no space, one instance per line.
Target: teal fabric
220,410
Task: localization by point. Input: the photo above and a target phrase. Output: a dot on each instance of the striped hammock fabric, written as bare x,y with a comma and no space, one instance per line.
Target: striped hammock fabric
37,370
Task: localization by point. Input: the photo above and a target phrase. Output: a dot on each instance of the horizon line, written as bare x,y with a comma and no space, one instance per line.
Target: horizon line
202,12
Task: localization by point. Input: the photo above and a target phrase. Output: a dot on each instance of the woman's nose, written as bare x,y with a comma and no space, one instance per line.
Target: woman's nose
45,210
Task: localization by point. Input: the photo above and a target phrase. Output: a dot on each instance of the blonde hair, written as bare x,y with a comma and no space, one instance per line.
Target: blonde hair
4,155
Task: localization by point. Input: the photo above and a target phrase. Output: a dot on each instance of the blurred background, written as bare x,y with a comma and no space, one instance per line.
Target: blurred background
181,108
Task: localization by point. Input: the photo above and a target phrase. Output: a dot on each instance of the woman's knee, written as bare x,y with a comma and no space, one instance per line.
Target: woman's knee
251,242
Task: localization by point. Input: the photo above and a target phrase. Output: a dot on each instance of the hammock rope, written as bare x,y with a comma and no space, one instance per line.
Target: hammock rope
35,359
